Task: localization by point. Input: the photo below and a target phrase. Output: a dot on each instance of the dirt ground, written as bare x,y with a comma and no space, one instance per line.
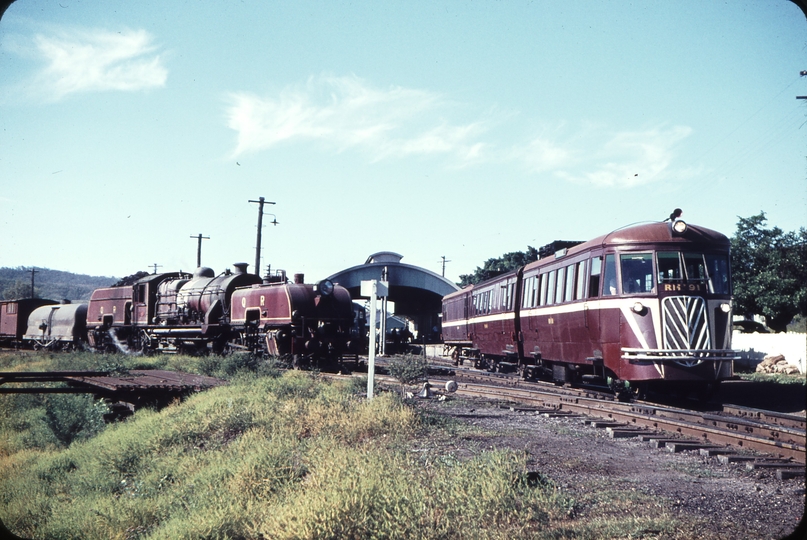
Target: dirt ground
625,479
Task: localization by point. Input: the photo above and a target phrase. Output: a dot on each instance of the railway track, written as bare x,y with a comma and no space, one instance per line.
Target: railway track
758,438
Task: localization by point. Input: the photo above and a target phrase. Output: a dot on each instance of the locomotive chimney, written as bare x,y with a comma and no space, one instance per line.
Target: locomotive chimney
299,279
240,268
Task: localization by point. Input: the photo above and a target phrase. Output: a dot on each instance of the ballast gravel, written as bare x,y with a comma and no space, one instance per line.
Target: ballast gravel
614,477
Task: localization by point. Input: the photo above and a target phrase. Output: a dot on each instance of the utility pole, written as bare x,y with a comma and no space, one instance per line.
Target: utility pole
199,249
444,264
33,271
261,201
803,73
156,266
384,279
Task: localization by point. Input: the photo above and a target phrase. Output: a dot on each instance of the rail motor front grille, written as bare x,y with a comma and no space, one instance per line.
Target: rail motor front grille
685,323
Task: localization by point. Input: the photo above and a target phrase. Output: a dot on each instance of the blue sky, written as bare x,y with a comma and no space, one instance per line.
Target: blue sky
456,129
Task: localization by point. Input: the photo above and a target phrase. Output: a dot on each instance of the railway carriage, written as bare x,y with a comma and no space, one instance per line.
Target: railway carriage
643,308
14,318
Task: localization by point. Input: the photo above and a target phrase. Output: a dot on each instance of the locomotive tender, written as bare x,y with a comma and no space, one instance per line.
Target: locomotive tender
643,308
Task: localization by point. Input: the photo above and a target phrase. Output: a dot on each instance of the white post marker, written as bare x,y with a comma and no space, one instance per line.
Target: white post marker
373,288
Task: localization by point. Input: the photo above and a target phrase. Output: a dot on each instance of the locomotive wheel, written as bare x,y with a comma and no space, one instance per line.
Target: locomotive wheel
143,344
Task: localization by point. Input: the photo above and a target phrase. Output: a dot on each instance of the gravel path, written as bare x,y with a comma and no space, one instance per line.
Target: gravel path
626,479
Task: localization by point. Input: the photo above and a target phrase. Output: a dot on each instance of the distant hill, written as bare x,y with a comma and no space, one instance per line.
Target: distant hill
53,284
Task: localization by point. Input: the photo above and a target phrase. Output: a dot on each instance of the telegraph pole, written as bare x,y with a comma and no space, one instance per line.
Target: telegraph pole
261,201
199,249
156,266
444,264
33,271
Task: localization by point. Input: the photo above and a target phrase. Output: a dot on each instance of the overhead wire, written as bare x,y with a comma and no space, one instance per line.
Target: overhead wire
741,156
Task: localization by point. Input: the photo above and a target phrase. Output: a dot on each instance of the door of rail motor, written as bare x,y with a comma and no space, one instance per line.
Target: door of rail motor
516,308
508,315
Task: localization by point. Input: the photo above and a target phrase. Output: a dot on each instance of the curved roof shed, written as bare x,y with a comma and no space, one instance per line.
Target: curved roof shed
417,292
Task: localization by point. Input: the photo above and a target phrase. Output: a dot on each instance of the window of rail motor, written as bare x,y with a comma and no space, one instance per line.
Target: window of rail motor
580,290
544,286
594,276
550,287
506,303
609,278
529,294
637,273
569,289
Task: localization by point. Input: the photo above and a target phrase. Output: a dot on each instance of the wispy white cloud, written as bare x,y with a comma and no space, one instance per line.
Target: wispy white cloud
626,159
81,60
346,112
342,113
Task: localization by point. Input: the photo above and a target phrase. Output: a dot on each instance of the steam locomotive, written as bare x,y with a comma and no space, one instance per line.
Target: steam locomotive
643,308
196,313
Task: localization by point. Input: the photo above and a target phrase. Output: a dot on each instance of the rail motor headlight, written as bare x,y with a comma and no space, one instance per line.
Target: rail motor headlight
678,227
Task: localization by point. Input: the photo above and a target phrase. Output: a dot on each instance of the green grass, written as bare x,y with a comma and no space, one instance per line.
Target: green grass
282,455
291,456
778,378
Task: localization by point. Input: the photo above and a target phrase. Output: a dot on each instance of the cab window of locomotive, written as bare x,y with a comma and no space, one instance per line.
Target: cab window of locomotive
559,285
569,290
669,266
637,273
550,288
718,268
609,276
594,280
695,267
581,280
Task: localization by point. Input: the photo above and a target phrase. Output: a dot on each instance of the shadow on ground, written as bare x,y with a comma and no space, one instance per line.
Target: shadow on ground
786,398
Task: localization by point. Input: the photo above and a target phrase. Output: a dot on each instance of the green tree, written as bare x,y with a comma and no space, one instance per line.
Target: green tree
769,268
500,265
20,289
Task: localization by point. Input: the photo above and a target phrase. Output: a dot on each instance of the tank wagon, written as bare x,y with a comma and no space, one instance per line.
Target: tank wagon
57,326
643,308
